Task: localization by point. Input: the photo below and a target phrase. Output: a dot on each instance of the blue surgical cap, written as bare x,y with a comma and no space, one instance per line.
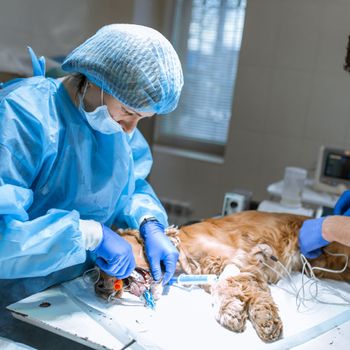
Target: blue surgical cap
135,64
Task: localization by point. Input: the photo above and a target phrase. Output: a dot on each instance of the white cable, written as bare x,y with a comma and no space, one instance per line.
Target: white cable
282,276
312,293
289,275
332,289
315,295
112,296
334,271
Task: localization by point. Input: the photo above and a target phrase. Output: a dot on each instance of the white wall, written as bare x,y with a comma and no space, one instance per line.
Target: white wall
53,28
292,96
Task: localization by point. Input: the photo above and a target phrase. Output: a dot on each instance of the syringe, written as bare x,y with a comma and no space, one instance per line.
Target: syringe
193,279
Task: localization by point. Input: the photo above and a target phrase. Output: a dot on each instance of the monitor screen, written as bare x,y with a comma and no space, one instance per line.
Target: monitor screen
337,166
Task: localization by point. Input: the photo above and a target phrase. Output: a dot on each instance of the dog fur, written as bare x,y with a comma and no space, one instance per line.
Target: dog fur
245,242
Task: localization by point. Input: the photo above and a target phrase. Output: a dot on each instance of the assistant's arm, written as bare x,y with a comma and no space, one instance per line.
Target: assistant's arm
337,229
318,233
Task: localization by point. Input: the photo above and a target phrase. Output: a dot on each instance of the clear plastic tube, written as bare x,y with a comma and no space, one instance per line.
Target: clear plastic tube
193,279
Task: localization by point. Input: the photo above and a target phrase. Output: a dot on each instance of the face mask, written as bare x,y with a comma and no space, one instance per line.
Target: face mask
100,119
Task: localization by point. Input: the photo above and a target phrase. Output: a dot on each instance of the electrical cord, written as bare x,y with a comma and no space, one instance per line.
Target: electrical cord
315,290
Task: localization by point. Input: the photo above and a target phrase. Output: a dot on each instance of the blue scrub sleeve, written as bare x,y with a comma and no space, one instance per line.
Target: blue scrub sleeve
39,246
144,200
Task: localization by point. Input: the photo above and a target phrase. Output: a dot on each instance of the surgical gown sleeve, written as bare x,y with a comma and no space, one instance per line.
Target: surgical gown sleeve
143,201
38,246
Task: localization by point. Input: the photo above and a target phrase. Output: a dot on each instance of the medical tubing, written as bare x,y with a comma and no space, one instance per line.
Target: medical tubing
282,276
193,279
325,289
87,275
313,282
346,263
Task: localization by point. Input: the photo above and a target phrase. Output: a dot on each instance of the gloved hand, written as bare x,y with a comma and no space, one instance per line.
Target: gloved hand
342,207
159,250
310,238
114,254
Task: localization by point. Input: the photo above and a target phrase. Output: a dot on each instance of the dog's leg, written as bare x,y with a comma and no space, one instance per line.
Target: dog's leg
236,298
230,303
263,312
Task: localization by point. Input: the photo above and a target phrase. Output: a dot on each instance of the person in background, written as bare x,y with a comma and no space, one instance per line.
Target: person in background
318,233
73,162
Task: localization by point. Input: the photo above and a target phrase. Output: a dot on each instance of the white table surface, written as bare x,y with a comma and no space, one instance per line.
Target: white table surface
64,318
183,320
309,195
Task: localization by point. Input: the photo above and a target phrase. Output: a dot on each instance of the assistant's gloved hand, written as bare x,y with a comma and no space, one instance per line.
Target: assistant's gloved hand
114,254
159,250
310,238
342,207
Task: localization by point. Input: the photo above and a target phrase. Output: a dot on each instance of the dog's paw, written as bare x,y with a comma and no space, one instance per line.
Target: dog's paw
266,321
230,308
231,314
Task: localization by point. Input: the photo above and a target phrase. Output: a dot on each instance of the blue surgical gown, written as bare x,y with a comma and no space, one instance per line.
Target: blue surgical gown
54,170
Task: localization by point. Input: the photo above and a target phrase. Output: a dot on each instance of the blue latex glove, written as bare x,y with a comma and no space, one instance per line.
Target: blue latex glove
114,254
159,249
310,238
342,207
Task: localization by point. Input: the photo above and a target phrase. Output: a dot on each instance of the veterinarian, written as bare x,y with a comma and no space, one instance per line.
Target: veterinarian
318,233
73,162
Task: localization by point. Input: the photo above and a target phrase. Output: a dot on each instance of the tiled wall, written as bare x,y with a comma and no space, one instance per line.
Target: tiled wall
291,96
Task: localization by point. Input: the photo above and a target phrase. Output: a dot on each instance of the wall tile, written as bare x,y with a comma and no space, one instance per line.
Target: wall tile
243,159
328,115
299,35
278,153
288,103
251,98
261,25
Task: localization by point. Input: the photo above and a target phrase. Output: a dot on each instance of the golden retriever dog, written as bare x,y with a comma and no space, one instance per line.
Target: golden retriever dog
237,248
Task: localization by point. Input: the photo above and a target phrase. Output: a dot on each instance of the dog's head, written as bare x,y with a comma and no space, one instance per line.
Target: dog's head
109,287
